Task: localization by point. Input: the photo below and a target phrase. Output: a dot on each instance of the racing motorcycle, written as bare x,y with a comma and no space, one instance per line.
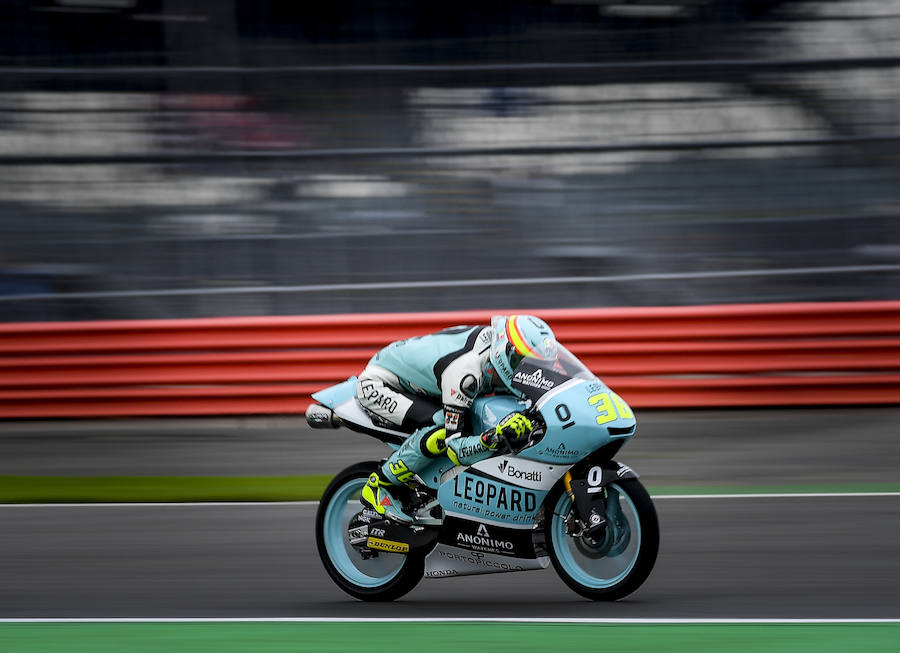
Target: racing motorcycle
557,497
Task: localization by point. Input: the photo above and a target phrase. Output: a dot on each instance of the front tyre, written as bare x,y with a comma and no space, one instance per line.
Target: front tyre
617,564
384,577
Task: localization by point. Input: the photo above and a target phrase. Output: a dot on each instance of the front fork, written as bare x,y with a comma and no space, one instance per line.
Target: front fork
590,497
588,519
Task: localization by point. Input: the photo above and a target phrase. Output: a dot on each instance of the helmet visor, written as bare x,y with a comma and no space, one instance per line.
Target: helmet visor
514,357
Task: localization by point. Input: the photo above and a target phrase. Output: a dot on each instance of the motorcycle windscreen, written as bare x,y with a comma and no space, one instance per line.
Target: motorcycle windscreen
534,377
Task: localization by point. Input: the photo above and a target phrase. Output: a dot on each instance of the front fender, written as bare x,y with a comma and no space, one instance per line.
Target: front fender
610,471
584,483
601,471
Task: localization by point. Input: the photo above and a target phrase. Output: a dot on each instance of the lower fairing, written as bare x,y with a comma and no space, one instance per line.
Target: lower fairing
446,561
467,547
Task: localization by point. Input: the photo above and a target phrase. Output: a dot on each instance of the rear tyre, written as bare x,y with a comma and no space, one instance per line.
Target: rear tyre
620,561
385,577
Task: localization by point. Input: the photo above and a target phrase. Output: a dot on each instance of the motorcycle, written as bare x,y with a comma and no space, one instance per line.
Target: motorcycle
558,497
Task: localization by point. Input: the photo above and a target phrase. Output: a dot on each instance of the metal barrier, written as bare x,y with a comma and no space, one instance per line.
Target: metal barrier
666,357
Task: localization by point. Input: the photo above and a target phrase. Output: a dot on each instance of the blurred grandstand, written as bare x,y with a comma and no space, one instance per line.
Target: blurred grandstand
181,158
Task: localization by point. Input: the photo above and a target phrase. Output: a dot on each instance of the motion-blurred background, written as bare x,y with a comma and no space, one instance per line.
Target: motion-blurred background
180,159
177,158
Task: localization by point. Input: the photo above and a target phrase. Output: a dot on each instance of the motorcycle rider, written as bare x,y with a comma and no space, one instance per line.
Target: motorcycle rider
427,384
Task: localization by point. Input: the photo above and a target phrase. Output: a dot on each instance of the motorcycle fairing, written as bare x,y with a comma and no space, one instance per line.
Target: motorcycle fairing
486,412
582,416
446,561
341,399
466,547
336,394
475,535
472,494
515,470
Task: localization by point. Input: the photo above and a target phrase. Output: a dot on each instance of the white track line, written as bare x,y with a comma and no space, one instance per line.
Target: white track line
540,620
212,504
160,504
777,495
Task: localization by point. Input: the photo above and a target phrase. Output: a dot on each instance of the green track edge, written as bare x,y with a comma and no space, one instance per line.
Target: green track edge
152,489
446,637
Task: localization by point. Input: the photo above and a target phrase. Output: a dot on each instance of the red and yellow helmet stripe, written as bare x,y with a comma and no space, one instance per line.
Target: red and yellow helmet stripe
515,337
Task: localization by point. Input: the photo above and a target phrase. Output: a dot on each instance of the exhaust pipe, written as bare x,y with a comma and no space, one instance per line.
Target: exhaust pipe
319,417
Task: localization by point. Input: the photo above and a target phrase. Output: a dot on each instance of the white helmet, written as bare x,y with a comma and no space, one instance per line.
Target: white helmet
515,337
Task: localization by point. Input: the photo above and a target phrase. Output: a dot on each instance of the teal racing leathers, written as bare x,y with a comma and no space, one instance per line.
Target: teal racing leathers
426,385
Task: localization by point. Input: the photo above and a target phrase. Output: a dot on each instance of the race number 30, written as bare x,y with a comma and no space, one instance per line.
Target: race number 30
610,406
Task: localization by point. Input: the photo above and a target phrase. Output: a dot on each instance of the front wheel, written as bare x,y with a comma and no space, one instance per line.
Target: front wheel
382,577
616,564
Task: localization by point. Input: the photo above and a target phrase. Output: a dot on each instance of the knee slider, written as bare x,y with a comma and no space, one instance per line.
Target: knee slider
433,444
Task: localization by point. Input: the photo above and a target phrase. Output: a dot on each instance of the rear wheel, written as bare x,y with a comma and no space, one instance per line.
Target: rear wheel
617,563
382,577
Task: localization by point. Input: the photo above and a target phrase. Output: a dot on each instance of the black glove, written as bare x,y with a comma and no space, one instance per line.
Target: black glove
514,426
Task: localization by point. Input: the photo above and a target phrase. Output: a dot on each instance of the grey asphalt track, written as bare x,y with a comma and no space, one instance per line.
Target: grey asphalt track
720,558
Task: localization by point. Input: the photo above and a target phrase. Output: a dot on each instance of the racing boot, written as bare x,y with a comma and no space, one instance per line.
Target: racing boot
376,496
416,453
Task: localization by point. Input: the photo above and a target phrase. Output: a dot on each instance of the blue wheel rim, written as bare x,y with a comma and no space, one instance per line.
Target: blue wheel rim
373,572
607,571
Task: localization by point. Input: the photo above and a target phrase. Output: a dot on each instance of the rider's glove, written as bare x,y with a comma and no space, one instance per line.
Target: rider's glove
514,426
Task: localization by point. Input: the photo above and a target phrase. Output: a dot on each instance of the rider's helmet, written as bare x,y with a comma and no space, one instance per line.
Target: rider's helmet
513,337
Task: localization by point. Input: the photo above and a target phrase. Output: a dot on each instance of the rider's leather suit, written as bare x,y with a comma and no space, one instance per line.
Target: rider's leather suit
426,385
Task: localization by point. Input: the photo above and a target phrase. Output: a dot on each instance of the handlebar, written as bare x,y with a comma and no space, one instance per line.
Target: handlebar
504,446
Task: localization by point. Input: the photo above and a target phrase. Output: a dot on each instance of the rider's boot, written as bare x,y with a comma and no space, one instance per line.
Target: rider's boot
416,452
376,496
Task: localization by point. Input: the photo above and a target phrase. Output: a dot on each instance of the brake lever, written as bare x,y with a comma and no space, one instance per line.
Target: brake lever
504,446
532,412
515,447
507,447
